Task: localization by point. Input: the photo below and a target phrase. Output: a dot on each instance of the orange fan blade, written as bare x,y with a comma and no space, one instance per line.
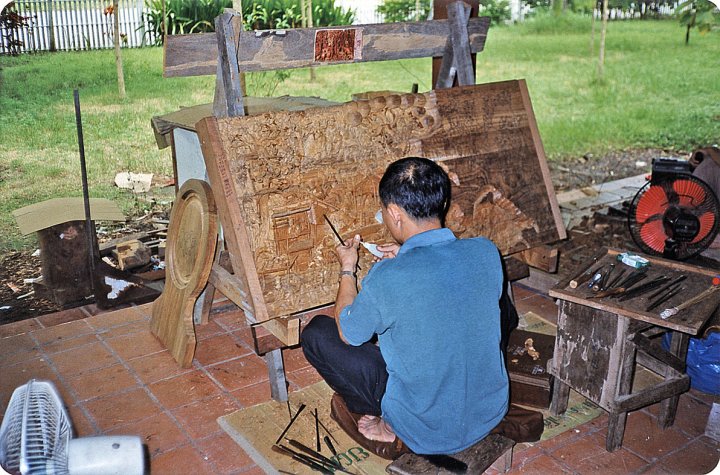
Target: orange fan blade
707,221
689,192
651,203
653,235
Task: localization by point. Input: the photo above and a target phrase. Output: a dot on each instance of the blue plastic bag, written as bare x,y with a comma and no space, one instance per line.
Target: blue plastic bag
703,362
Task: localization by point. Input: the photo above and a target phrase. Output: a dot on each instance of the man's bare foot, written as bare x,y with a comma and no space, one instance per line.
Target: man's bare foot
375,428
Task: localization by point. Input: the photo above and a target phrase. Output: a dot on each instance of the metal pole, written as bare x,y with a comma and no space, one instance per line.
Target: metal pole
89,228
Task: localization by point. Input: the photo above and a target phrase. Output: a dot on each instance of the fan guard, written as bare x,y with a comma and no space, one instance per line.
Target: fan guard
677,217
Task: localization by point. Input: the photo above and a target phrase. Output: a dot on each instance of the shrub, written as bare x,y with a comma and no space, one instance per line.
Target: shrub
403,10
11,21
497,10
197,16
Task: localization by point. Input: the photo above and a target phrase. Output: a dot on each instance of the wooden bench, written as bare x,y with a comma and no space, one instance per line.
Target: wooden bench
493,451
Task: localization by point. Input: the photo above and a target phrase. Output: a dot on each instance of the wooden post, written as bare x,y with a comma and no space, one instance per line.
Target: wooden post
228,87
457,62
440,13
118,56
51,25
603,33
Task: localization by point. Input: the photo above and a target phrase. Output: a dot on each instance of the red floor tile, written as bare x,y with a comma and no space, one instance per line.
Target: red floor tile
157,366
18,328
225,454
303,378
135,345
158,432
294,359
82,427
541,465
239,373
127,315
65,331
691,416
588,455
124,330
102,382
180,390
119,409
18,374
697,457
207,330
65,344
22,343
64,316
253,395
199,419
77,361
183,460
646,439
219,348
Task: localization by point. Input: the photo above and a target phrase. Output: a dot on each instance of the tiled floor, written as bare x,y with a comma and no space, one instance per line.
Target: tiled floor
116,378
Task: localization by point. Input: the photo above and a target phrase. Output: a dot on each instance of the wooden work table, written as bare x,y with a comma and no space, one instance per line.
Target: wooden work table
600,341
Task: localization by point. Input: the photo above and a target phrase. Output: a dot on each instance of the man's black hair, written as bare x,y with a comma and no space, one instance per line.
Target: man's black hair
417,185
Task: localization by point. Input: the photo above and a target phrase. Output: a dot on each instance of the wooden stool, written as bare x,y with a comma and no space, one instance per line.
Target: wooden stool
494,450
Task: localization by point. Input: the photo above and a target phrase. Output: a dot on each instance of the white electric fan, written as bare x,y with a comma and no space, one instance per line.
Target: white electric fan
36,438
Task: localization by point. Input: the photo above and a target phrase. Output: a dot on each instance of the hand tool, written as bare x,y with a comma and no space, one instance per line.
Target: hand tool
582,277
667,286
337,234
621,289
307,461
646,287
631,278
616,279
595,278
300,409
606,278
330,446
671,292
299,445
669,312
317,432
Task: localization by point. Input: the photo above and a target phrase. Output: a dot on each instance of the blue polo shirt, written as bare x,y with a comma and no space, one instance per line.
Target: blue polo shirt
435,310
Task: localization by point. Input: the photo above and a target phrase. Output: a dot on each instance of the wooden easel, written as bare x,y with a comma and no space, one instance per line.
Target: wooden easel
233,273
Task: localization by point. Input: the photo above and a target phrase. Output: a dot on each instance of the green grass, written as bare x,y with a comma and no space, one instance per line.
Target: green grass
656,92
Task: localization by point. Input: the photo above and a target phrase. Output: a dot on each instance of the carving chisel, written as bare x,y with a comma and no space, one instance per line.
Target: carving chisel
667,286
287,428
298,457
299,445
641,289
672,291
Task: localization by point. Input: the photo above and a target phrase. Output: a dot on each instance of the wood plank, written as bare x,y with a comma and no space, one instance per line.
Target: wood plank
661,391
458,16
542,257
228,94
515,269
280,172
440,13
234,232
196,54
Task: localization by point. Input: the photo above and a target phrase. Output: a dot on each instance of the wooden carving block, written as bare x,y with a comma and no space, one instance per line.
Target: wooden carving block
132,254
275,175
191,246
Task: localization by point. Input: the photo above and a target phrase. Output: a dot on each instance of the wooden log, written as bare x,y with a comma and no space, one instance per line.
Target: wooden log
196,54
132,254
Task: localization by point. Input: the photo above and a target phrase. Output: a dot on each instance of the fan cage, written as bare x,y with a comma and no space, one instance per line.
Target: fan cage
651,202
35,432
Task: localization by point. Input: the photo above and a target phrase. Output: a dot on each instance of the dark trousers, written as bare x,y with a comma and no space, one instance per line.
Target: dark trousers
357,373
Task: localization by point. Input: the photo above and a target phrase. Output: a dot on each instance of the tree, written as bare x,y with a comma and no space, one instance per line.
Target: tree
698,14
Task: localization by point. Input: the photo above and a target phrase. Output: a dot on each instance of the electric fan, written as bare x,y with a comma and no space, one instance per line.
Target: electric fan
675,215
36,438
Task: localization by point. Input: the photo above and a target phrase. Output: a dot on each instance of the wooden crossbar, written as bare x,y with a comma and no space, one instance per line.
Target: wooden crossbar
263,50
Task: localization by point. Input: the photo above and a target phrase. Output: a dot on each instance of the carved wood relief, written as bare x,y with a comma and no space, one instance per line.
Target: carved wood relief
288,169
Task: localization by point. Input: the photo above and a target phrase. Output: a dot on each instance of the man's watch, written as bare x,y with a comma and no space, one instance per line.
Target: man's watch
347,272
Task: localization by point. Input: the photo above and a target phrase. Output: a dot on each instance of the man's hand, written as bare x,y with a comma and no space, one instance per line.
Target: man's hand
348,253
389,250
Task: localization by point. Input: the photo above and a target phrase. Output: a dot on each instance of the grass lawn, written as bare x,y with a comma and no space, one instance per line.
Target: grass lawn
656,92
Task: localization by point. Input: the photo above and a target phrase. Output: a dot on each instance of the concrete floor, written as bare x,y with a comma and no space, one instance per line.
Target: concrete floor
115,378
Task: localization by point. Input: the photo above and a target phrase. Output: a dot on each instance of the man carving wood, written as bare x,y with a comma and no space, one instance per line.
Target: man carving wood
435,382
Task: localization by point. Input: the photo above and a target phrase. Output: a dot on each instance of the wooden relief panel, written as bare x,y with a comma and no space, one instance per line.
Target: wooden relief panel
283,171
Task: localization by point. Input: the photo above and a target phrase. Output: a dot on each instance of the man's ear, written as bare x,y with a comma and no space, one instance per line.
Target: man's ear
394,211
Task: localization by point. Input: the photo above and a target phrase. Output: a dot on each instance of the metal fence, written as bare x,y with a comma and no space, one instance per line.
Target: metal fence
65,25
